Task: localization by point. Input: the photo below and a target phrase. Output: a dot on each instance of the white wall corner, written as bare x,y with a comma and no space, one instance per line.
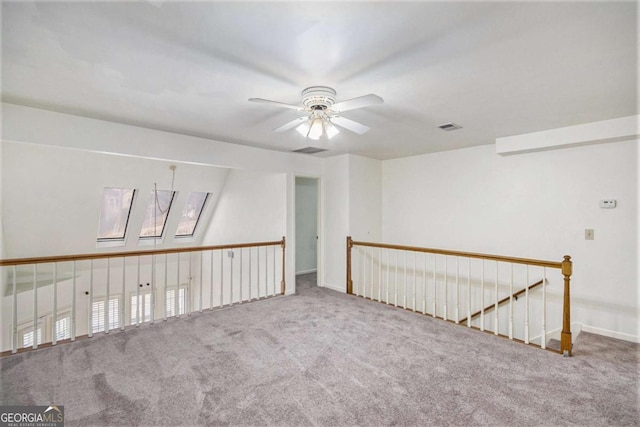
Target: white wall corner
620,129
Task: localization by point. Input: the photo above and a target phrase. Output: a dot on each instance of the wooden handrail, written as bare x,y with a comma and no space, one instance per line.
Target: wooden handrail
503,300
81,257
536,262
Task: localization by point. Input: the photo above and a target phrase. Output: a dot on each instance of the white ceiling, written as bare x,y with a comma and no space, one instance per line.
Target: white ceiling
497,69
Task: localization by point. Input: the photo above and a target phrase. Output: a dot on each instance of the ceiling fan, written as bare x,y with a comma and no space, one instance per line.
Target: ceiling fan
321,112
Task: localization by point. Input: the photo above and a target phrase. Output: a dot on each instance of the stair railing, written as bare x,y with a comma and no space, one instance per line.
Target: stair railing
454,285
49,300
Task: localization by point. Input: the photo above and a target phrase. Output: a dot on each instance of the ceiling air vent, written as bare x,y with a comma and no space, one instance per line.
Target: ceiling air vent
309,150
449,126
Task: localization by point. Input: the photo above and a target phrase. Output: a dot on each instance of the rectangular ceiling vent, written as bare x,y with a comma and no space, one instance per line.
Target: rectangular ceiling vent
309,150
449,126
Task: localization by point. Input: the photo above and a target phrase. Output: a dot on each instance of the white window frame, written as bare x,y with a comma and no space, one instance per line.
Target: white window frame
112,325
185,301
65,314
142,305
27,328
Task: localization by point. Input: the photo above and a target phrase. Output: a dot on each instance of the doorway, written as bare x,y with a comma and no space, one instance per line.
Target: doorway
306,232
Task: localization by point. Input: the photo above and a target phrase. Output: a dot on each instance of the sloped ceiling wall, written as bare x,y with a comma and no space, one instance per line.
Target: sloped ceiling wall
52,197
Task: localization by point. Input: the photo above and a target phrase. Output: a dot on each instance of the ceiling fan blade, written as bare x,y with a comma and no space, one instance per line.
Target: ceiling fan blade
349,124
359,102
291,124
277,104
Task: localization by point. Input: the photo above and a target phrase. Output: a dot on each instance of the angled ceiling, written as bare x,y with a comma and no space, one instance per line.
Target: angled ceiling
497,69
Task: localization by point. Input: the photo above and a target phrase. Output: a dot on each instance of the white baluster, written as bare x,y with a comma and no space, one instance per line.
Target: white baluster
177,298
468,292
526,313
166,284
124,297
482,298
222,277
424,286
273,270
495,315
73,303
396,282
435,287
201,277
90,334
372,277
457,290
543,333
258,270
231,254
138,305
14,326
54,338
35,307
266,272
511,304
388,274
189,298
106,308
250,250
404,292
152,315
379,274
210,280
241,250
446,285
415,255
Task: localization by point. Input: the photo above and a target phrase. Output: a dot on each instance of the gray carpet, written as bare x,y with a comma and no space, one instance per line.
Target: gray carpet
324,358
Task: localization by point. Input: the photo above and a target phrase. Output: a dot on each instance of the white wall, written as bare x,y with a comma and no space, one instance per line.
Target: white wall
251,208
533,205
306,224
365,198
81,133
335,206
351,206
52,206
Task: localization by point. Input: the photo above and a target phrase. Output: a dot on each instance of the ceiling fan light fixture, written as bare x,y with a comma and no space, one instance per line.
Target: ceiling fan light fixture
330,129
303,129
316,129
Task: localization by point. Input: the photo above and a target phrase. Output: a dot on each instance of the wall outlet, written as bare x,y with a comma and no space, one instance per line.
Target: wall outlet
608,204
588,234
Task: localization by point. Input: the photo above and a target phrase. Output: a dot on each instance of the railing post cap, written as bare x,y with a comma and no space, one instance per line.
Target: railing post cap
567,258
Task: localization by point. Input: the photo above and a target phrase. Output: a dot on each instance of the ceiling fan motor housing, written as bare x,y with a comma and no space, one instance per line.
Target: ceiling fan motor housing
318,97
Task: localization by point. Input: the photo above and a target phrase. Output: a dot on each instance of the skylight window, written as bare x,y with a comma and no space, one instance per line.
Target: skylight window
191,214
114,214
157,212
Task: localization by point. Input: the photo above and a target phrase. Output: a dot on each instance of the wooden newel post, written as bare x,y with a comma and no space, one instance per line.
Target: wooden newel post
282,283
349,281
565,338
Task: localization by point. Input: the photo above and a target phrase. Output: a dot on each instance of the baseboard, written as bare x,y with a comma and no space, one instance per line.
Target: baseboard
298,273
333,287
611,334
554,334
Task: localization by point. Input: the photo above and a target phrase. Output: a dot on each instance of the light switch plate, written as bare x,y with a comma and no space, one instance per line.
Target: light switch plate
588,234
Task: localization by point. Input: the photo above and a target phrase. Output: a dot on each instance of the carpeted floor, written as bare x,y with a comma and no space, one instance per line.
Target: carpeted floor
324,358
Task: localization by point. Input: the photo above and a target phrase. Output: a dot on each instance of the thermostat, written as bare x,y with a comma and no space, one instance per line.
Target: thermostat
608,204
